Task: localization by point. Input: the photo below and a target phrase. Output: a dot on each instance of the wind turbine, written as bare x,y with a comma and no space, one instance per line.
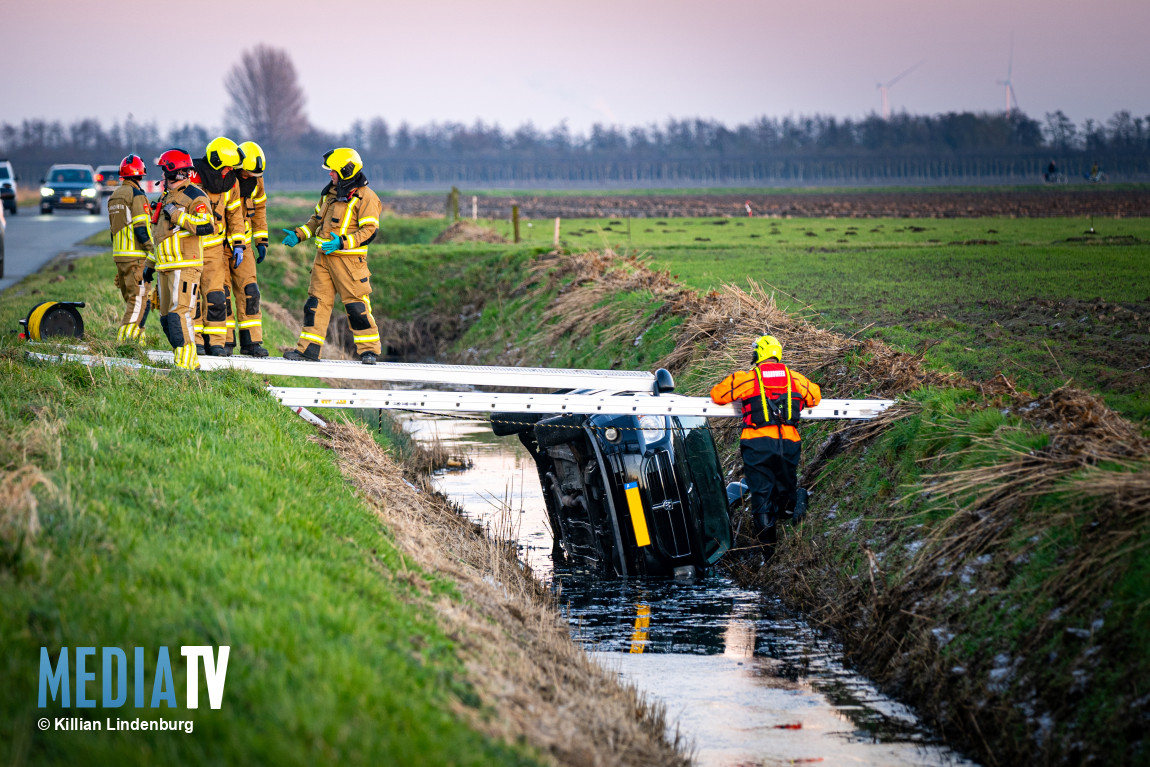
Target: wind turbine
884,89
1008,85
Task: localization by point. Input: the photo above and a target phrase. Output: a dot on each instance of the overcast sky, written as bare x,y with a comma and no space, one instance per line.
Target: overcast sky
628,62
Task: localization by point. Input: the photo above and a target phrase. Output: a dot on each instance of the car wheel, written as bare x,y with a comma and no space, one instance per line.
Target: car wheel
12,209
45,211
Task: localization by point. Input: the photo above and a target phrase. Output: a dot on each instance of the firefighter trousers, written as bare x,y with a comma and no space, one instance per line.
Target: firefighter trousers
211,312
350,278
247,319
133,289
179,289
771,468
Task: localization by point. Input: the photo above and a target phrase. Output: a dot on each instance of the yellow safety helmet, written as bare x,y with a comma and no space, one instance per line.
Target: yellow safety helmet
253,161
345,162
223,153
767,347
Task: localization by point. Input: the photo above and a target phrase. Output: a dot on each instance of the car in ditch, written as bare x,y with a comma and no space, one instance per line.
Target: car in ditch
69,186
628,495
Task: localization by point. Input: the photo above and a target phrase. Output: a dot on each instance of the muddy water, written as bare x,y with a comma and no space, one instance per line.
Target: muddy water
744,680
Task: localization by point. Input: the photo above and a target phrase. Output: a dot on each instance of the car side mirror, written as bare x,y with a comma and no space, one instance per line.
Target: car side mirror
41,181
664,383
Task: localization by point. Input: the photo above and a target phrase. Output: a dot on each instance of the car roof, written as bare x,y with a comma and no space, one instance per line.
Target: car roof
70,165
101,167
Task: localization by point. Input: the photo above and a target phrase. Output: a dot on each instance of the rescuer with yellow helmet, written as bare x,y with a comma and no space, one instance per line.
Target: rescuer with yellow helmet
225,247
242,276
129,217
773,397
182,219
345,221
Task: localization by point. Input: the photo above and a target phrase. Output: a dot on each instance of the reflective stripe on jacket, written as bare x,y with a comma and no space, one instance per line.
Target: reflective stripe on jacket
128,218
744,385
354,221
256,213
179,238
227,217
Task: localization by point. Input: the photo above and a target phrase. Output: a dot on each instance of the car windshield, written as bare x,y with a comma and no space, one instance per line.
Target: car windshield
703,462
70,176
4,172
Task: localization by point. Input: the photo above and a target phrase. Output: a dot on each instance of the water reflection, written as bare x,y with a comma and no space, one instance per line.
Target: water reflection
746,680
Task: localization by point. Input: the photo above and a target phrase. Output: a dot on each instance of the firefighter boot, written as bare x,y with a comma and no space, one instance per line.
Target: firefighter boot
368,358
801,498
254,350
292,354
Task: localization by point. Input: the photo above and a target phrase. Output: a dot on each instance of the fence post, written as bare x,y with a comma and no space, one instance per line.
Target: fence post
515,221
474,208
557,231
454,203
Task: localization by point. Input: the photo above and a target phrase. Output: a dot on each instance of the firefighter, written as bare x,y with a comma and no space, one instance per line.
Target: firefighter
182,219
129,216
247,319
345,221
773,397
224,249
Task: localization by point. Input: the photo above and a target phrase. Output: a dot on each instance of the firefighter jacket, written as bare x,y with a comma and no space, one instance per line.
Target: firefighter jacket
178,236
255,210
227,214
353,217
129,216
766,387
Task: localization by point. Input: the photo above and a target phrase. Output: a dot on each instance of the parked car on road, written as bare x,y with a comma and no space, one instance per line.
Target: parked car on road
107,178
69,186
628,495
8,186
3,227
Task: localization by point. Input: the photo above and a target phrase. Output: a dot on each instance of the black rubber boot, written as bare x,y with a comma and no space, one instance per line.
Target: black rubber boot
293,354
253,350
230,349
368,358
217,351
200,350
801,498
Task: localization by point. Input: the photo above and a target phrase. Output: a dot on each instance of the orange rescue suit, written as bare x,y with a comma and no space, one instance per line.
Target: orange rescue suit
769,380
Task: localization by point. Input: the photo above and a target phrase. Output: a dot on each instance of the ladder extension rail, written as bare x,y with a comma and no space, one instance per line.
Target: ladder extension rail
550,404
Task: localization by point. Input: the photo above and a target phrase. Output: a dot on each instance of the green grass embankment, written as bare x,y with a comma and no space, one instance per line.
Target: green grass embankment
191,509
1007,602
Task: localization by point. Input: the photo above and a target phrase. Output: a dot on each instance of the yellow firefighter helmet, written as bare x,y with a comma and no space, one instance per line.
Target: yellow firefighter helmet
767,347
345,162
223,153
253,161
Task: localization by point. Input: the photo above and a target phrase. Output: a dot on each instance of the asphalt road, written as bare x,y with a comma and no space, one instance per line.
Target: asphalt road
32,240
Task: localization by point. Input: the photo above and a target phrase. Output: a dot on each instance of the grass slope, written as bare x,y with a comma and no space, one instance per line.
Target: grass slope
192,509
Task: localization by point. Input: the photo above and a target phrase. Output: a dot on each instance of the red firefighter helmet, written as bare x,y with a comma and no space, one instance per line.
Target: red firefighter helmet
133,166
174,160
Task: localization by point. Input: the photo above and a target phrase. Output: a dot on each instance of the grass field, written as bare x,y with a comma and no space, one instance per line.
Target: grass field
1042,301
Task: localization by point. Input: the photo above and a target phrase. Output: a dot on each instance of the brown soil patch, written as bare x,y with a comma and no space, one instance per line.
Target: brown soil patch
1037,203
467,231
535,683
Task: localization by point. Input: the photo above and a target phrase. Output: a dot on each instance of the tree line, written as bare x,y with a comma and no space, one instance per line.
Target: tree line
267,106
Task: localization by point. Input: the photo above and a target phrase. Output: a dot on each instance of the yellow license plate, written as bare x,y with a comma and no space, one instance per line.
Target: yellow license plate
67,199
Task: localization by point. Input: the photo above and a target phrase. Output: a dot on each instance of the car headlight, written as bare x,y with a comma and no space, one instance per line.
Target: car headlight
652,426
611,434
88,193
47,191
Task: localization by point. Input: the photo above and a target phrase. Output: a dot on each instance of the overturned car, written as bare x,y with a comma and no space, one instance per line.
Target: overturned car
628,495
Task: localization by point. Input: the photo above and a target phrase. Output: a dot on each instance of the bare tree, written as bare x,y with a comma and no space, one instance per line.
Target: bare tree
267,100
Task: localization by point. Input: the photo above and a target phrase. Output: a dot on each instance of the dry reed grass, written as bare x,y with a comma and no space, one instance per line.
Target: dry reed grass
19,521
538,685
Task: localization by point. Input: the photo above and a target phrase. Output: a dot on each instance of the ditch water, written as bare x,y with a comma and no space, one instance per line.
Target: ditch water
745,680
